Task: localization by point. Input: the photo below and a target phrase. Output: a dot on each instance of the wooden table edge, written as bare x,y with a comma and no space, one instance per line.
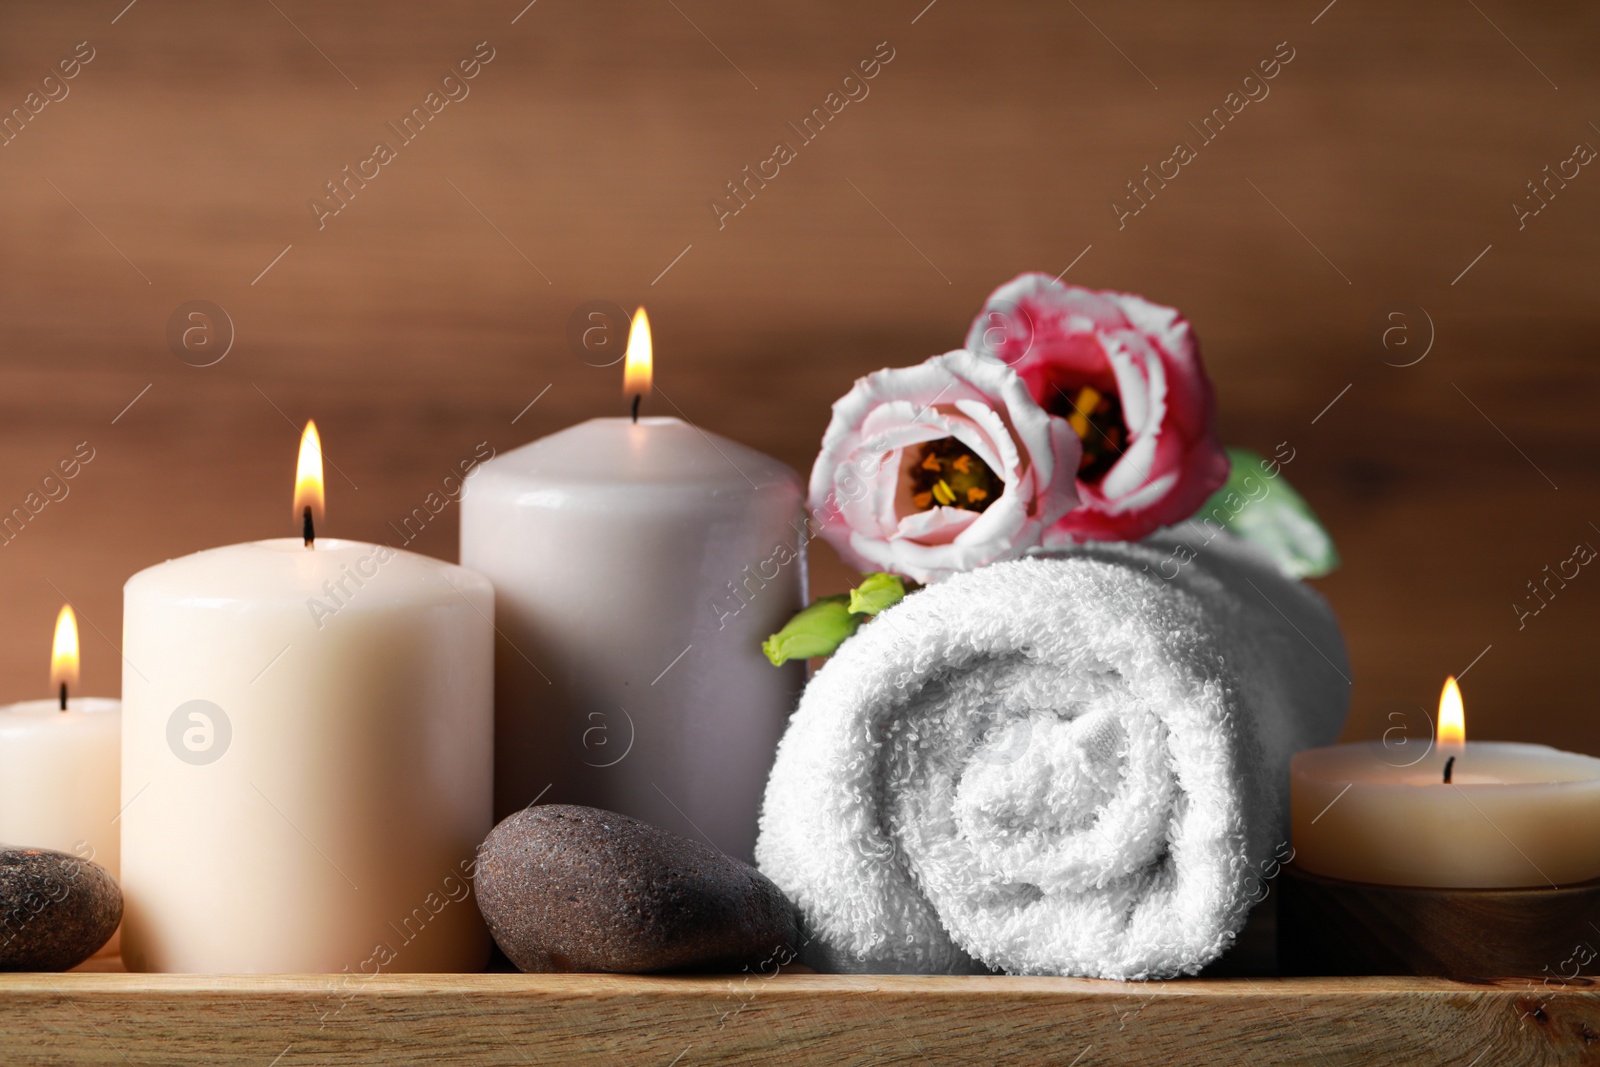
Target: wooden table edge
809,985
576,1020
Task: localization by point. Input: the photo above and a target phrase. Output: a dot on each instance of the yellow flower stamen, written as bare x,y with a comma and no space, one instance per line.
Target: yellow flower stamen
1083,407
946,472
1095,415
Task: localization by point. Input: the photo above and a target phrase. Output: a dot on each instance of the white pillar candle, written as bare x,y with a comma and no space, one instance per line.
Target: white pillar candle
306,760
59,765
1512,815
637,569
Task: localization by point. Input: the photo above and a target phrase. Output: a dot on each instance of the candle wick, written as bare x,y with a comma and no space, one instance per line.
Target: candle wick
307,529
63,696
636,398
1449,765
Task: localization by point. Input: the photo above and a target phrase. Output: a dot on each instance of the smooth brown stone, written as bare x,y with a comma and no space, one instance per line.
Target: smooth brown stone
568,888
56,910
1327,926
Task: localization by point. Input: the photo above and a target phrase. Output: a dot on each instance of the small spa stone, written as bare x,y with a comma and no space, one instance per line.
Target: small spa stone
569,888
56,910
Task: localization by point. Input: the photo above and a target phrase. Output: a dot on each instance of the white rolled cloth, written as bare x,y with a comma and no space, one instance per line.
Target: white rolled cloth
1064,765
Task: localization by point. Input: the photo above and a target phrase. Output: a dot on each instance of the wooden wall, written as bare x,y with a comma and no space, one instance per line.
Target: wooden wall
425,315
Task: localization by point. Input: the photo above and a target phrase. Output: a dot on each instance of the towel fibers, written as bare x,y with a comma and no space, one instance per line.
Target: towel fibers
1060,765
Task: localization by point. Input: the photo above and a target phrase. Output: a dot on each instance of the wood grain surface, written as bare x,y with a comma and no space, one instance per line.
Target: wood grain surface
585,1019
1377,178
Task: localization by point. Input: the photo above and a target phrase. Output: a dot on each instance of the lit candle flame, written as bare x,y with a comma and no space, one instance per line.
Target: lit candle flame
1452,719
636,371
64,654
308,496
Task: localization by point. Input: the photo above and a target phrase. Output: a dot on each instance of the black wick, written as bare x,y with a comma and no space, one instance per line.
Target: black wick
63,696
636,398
1449,765
306,528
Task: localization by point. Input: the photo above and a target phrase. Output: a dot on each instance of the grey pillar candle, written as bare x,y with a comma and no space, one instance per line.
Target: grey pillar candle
637,568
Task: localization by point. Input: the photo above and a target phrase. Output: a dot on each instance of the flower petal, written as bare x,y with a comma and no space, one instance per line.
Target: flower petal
856,484
1061,338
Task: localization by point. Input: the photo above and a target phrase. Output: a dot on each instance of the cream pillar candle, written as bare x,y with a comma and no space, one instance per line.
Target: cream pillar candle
306,760
637,568
59,764
1511,815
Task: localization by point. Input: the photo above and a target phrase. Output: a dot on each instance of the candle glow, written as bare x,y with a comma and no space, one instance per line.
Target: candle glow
1500,815
651,514
1452,719
60,766
64,652
308,491
638,368
379,724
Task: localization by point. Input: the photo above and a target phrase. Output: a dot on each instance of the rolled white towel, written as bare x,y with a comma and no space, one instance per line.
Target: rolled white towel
1064,765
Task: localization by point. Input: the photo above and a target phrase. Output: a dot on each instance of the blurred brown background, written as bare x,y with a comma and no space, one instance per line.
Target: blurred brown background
426,315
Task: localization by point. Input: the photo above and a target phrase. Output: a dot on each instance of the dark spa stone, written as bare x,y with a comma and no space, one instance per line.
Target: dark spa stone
56,910
568,888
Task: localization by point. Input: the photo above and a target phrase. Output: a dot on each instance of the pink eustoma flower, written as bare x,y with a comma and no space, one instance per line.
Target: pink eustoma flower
942,467
1126,373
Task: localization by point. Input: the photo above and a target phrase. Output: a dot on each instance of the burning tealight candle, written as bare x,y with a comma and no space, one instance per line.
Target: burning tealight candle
307,758
638,564
59,761
1464,814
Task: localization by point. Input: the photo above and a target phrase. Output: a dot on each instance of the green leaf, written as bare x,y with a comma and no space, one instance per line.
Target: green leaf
876,592
1258,504
816,631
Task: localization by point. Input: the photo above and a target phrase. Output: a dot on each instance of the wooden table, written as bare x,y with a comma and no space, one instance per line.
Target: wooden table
285,1021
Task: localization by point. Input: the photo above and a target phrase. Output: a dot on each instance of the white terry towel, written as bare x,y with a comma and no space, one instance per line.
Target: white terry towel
1065,765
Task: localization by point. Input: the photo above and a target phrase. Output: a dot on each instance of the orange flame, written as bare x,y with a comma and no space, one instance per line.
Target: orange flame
64,651
637,371
1452,718
308,492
